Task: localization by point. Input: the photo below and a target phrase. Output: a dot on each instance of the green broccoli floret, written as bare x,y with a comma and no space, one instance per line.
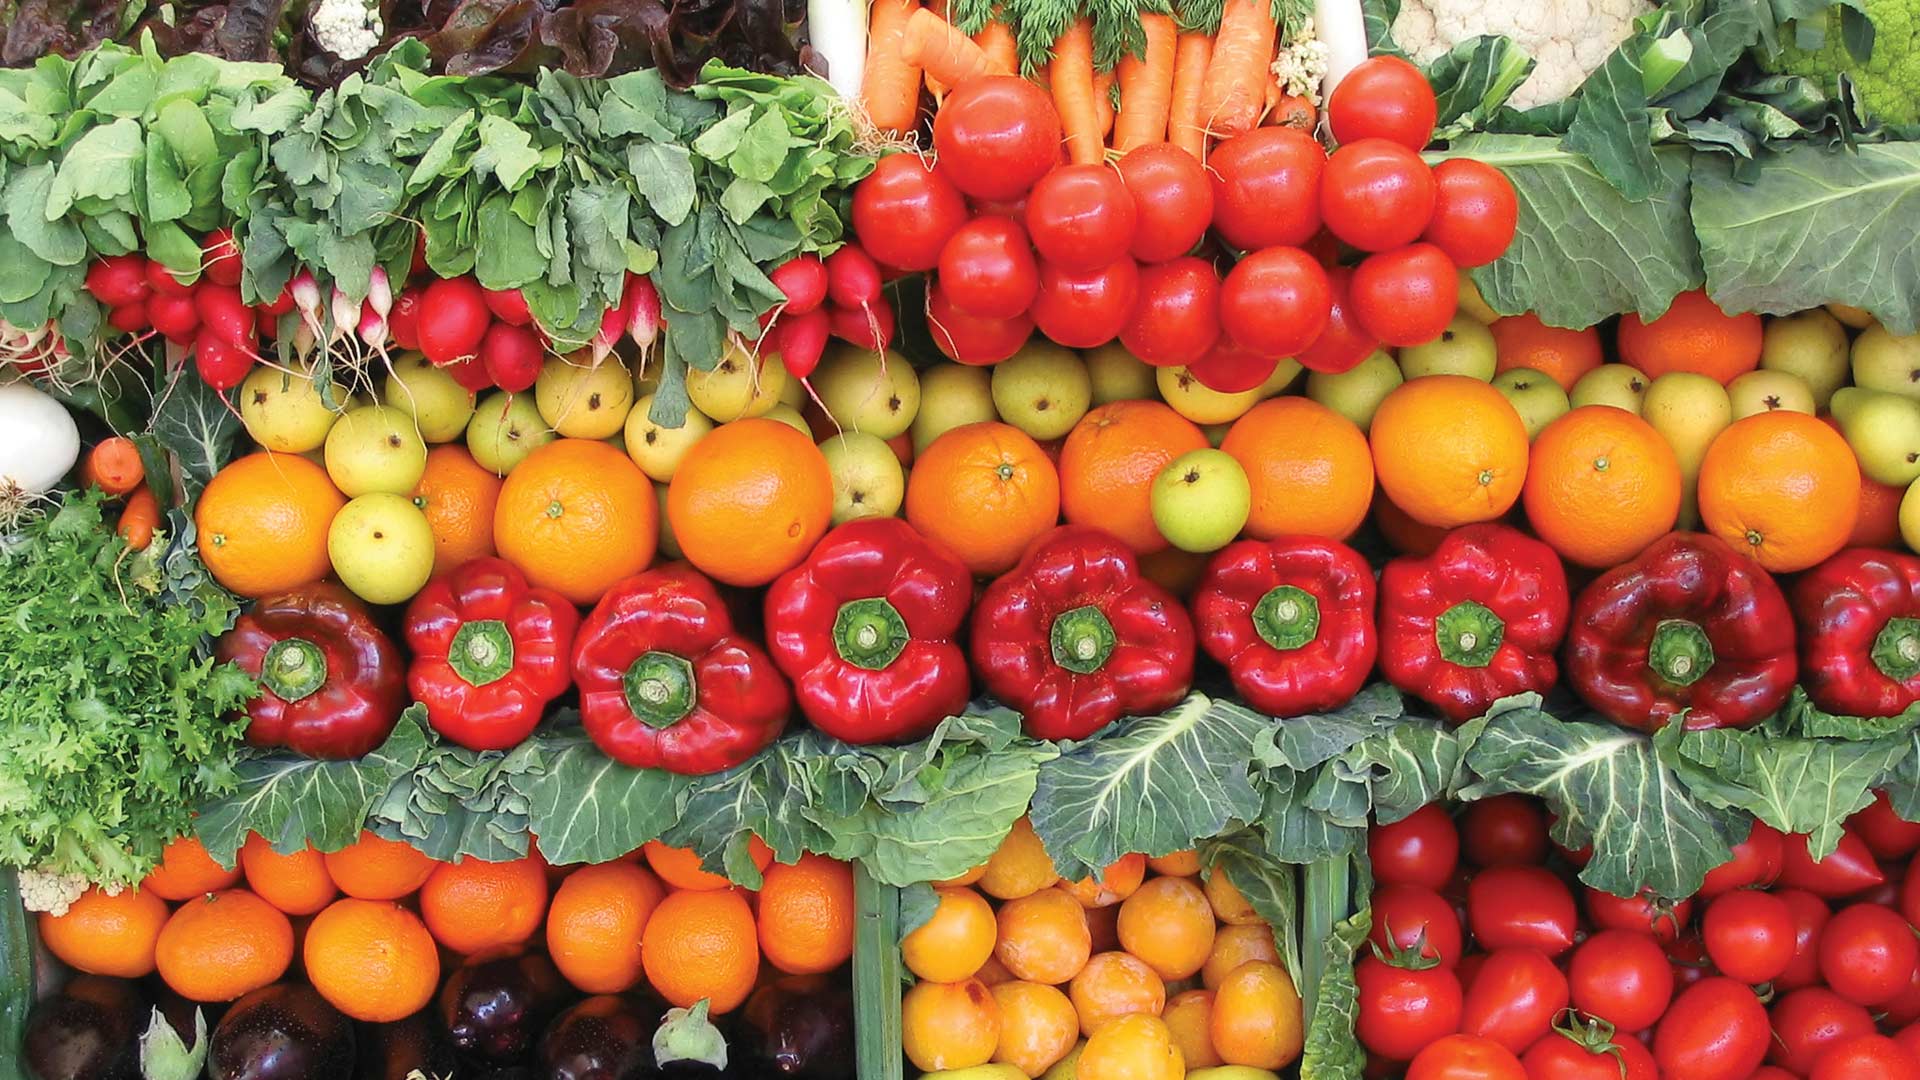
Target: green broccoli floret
1889,82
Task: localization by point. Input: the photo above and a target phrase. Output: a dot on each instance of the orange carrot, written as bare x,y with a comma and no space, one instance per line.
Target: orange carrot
139,519
1070,77
891,87
1103,103
1146,87
997,41
1237,76
113,466
935,87
1186,128
948,56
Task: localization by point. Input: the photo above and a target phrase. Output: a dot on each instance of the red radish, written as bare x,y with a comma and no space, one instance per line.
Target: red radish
220,258
129,317
641,303
803,281
511,355
220,362
612,322
279,305
1177,316
1343,343
453,319
163,281
379,292
403,322
470,373
970,339
372,328
346,314
119,280
174,317
221,310
870,329
419,264
800,340
306,296
265,323
508,306
1275,301
1231,368
853,278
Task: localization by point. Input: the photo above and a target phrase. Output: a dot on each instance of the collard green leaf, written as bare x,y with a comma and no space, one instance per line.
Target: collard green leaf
1272,888
1409,765
197,425
1332,1052
1313,815
586,807
1472,80
457,803
1303,742
1803,717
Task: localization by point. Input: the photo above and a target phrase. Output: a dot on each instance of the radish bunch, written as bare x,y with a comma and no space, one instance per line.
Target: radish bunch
143,296
839,296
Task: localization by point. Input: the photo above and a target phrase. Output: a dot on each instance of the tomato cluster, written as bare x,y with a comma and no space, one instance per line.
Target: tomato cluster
1488,961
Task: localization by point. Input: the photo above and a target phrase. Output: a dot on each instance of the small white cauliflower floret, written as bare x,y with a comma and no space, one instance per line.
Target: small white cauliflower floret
51,893
349,29
1301,64
1568,39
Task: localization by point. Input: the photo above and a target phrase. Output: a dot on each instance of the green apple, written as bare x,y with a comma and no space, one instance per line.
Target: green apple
1201,500
285,412
1284,374
867,478
1044,389
375,448
381,547
1358,391
1884,431
1465,347
583,400
1620,386
951,396
1472,303
790,416
740,384
669,544
658,449
438,404
1118,375
862,390
1689,411
793,392
1535,396
1887,361
1812,345
506,428
1769,391
1199,402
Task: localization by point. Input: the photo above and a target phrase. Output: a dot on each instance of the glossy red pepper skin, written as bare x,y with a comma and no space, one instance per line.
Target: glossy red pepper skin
1859,620
1291,619
1690,624
332,684
489,653
1078,595
666,683
1475,621
865,628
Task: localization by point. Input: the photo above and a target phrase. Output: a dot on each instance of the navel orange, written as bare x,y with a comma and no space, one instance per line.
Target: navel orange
750,500
577,516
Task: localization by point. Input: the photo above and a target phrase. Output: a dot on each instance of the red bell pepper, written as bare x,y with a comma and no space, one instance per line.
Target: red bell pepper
1475,621
1291,619
332,684
666,683
1859,615
489,653
1689,625
1074,638
865,629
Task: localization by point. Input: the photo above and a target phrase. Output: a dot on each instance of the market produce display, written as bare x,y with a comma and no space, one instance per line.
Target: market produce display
991,541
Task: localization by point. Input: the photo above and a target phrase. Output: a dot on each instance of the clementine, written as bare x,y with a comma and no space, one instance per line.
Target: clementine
1563,355
296,883
458,496
1692,335
262,523
107,935
806,915
375,868
186,870
222,945
371,959
750,500
594,925
1781,486
1309,467
680,868
1449,450
1602,484
702,945
473,905
1110,460
577,516
955,941
984,490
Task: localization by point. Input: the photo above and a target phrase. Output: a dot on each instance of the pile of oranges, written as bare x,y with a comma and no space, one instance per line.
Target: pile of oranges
1144,972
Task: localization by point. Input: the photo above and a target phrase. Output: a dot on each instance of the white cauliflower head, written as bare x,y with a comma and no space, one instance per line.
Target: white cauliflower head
1568,39
349,29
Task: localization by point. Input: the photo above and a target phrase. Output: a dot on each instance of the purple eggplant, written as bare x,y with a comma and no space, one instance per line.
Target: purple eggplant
607,1037
88,1030
495,1005
393,1051
799,1027
286,1031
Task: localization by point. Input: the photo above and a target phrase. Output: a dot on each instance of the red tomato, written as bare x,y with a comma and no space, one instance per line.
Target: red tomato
1505,830
1910,892
995,136
1909,1037
1521,907
1475,212
1755,861
1231,369
1383,97
1266,187
1865,1057
1402,1011
1343,343
1176,318
1749,935
1275,301
1905,1007
1808,1021
1081,217
1868,953
1641,913
1172,200
1888,835
1081,310
970,339
1406,296
1687,958
1376,195
904,211
1421,921
1464,1057
1621,977
1420,849
1848,870
1560,1056
987,269
1810,916
1514,998
1715,1030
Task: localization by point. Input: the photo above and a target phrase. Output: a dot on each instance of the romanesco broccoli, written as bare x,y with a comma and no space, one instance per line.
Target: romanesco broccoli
1889,81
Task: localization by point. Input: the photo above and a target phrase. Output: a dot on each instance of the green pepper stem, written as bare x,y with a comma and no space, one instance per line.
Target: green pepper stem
293,668
1082,639
870,633
1288,617
660,689
1680,652
1469,634
1896,651
482,651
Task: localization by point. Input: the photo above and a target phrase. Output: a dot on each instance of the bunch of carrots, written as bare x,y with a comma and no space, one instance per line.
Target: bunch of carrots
1183,87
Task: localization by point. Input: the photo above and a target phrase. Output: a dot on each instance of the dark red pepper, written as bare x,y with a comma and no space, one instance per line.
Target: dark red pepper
665,683
489,653
1475,621
1859,616
1074,638
1689,625
1291,619
865,628
332,684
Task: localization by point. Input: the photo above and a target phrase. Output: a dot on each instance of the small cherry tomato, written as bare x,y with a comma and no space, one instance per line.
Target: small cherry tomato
1412,919
1505,830
1621,977
1715,1030
1376,195
1755,861
1403,1010
1643,913
1810,917
1383,97
971,339
1808,1022
1343,343
1475,212
1514,998
1464,1057
1521,907
1865,1057
1564,1055
1229,368
1266,187
1888,835
1405,296
1421,849
1868,953
1850,869
1172,199
1080,217
996,135
1749,935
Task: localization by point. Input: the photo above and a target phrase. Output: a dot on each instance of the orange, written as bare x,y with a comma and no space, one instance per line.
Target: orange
1229,906
993,972
1043,938
458,496
967,878
594,925
1114,984
1131,1048
1176,864
955,941
577,516
473,905
1309,467
1103,923
371,959
186,870
806,915
1109,462
1402,533
1169,925
1449,450
1037,1026
375,868
1112,885
1693,335
680,867
220,946
702,945
1235,945
1601,485
1523,341
985,491
1020,867
1782,487
1189,1014
1878,523
750,500
1176,571
263,521
297,884
107,935
949,1025
1256,1017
